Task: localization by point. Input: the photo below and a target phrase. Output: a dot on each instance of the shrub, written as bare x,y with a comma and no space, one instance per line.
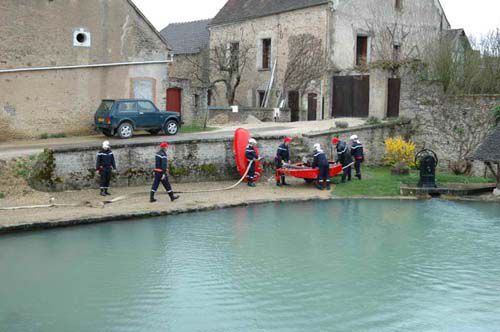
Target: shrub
496,114
2,195
341,124
397,150
372,121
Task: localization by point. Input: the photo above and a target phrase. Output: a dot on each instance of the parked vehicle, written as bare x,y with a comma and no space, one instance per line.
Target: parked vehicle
123,117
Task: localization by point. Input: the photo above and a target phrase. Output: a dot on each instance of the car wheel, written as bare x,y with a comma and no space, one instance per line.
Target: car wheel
154,131
126,130
171,127
108,133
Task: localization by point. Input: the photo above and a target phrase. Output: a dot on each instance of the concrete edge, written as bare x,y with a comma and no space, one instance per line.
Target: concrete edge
60,223
350,129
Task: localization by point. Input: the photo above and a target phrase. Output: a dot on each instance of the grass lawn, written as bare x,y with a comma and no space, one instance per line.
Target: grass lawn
186,129
378,181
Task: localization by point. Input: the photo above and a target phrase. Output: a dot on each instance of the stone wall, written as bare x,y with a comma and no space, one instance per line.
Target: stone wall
64,101
194,100
204,159
452,126
223,115
42,34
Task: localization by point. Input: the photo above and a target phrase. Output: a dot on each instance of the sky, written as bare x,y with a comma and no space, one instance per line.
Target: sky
477,17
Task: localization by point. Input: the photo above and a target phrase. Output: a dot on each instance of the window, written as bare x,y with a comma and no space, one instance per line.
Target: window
262,95
395,52
143,88
128,106
209,97
146,106
196,101
266,53
361,50
234,50
398,4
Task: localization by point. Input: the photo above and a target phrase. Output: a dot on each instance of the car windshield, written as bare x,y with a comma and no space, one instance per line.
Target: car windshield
105,106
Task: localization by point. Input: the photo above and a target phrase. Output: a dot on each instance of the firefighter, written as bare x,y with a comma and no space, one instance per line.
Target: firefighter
251,155
358,154
105,164
344,158
321,161
282,157
161,174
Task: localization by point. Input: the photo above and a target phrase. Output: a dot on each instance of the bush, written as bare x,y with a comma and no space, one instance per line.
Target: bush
2,195
399,151
372,121
341,124
496,114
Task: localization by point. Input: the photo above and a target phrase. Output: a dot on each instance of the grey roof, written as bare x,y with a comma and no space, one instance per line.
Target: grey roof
239,10
489,149
187,37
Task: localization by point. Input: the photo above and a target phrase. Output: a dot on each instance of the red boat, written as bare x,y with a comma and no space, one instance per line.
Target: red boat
240,142
307,173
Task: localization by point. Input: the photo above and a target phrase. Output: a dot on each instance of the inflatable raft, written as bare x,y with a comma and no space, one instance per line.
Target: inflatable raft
240,143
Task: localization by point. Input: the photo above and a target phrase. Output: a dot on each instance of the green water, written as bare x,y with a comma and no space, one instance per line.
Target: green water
322,266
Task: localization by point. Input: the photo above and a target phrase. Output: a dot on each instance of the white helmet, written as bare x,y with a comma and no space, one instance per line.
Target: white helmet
354,137
317,146
105,145
252,141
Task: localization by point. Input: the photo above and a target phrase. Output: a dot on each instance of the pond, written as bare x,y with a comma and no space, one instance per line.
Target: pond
348,265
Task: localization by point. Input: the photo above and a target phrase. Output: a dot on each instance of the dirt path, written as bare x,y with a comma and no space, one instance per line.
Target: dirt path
92,209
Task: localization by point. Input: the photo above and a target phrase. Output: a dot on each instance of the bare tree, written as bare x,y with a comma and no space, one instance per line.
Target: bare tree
464,129
306,62
226,64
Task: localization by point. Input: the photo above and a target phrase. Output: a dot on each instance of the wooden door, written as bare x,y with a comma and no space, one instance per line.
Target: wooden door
361,96
342,96
293,105
393,97
351,96
312,106
174,100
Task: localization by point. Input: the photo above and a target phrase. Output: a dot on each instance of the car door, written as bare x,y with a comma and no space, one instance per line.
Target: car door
149,114
127,110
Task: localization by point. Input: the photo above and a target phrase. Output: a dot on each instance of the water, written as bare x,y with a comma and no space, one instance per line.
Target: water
322,266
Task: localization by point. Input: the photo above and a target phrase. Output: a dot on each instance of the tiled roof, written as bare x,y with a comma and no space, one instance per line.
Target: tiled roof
489,149
239,10
188,37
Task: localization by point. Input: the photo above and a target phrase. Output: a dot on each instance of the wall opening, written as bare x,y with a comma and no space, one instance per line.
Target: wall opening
361,50
266,53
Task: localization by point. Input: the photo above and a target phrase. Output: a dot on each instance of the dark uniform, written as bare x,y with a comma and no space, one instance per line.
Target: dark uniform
161,176
105,164
251,154
358,155
345,158
282,154
321,161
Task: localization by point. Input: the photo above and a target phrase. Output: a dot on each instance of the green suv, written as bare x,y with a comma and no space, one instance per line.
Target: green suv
122,117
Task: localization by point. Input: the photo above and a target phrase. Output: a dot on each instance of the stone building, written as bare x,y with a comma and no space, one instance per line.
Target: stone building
360,45
188,85
58,59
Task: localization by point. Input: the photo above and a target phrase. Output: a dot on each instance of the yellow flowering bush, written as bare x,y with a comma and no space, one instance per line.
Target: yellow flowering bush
397,151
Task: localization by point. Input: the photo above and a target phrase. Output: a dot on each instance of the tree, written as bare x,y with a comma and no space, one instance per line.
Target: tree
306,61
226,64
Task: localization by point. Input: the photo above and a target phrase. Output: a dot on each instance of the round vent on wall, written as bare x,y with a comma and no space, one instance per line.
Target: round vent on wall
81,38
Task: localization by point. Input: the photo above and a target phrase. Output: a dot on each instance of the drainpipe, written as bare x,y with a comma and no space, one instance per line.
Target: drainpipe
101,65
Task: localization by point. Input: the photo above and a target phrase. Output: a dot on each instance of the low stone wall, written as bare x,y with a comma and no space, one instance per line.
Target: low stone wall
219,116
203,159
